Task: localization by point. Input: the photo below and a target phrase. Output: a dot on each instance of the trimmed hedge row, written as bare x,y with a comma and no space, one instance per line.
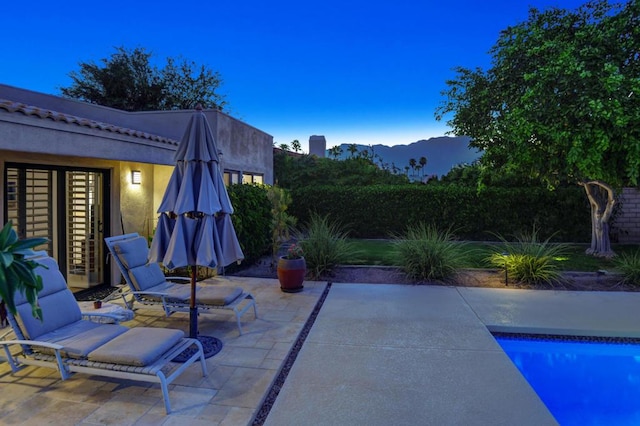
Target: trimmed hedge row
251,219
381,211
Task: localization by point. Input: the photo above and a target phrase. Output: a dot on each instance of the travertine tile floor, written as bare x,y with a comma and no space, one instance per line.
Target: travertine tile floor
239,376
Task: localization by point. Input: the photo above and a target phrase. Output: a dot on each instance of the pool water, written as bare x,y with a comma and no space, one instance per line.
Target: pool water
581,383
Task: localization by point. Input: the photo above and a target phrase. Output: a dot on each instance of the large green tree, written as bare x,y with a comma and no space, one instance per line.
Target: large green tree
127,80
560,102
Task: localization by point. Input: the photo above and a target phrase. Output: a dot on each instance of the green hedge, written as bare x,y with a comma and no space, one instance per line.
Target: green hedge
383,210
251,219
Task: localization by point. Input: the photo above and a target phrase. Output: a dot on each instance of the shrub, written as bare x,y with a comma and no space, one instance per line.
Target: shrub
251,219
529,260
629,266
425,253
325,245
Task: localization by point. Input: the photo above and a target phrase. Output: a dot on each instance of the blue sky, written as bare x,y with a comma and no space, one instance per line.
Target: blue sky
364,72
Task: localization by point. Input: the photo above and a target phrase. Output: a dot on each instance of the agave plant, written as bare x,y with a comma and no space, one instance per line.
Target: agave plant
17,271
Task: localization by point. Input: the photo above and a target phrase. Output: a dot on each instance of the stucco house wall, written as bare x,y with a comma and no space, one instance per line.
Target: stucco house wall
243,147
34,140
44,130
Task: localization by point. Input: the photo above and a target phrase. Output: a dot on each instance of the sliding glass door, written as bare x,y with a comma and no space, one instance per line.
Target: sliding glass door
84,223
66,206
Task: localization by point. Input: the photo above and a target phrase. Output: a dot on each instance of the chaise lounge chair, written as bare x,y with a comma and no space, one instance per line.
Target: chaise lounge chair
148,285
65,341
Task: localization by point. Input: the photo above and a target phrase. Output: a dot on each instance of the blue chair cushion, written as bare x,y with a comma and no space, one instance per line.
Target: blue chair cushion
59,306
132,252
81,337
139,346
146,276
217,295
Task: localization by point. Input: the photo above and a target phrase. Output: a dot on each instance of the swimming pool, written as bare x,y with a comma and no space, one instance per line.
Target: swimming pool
581,382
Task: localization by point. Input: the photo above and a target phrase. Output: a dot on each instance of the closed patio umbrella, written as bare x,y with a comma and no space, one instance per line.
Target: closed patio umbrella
194,227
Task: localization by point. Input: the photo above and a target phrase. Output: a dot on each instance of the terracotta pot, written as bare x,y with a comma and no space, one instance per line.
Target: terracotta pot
291,274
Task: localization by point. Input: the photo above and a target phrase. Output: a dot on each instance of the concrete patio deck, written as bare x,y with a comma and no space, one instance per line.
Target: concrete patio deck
377,354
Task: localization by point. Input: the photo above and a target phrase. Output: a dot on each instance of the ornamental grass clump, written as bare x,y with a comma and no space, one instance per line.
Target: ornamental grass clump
325,245
628,264
529,260
427,254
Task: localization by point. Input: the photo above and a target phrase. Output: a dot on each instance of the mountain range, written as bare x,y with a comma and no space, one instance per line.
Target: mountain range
442,153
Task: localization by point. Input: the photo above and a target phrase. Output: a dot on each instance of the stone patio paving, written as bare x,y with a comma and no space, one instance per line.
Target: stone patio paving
239,376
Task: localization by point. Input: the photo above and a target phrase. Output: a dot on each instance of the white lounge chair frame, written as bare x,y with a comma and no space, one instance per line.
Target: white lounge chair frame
30,352
240,305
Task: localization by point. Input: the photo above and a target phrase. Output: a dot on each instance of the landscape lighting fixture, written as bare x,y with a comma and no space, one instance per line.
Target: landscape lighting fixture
136,177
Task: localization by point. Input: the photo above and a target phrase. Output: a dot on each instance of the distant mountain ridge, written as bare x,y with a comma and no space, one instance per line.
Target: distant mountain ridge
442,153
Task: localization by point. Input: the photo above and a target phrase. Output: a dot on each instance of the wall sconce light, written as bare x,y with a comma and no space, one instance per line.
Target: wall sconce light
136,177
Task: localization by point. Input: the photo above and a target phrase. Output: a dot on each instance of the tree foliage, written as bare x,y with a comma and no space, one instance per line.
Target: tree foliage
562,98
561,101
292,172
127,80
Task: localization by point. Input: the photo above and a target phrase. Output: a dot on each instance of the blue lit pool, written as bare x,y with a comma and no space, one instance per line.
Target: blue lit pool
581,382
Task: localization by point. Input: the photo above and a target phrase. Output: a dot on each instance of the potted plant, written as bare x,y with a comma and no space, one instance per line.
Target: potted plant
291,269
17,271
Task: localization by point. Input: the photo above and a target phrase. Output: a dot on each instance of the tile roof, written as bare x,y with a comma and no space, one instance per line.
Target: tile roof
33,111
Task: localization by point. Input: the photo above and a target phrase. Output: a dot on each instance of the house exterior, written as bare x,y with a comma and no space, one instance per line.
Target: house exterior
67,172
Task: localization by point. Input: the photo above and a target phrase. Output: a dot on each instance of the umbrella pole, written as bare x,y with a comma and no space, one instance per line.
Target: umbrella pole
193,310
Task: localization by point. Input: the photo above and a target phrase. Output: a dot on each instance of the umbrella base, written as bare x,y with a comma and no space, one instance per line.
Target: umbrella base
210,345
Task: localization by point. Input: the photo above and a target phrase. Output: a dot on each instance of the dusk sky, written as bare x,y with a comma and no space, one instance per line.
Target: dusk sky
365,72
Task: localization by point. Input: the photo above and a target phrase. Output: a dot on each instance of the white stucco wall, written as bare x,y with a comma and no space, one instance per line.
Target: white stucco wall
36,135
244,147
136,201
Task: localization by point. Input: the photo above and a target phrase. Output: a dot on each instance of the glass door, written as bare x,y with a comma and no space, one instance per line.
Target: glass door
84,223
66,207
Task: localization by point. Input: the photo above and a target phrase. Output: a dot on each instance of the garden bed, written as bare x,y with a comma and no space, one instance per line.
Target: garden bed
486,278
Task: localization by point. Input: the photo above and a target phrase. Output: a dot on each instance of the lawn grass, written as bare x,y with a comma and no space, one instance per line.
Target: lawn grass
381,252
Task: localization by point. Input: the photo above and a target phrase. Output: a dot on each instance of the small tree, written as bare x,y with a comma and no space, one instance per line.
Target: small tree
560,103
282,221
